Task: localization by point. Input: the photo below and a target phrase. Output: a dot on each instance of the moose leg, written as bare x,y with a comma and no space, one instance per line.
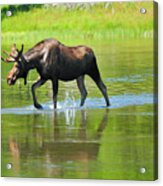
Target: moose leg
34,86
103,89
101,86
83,91
55,92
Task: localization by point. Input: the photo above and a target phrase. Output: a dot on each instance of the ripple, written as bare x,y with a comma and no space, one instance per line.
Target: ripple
131,78
117,101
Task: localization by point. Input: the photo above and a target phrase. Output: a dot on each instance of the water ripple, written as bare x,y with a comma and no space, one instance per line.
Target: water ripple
117,101
131,78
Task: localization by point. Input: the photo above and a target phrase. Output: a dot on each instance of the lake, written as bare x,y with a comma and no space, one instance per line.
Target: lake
92,142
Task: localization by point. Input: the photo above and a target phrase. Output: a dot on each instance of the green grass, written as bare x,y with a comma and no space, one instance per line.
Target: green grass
64,22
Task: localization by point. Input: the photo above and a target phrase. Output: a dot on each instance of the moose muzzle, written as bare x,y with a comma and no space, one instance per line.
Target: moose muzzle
11,79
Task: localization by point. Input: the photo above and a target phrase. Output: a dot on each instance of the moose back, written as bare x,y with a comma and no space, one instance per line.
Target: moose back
54,61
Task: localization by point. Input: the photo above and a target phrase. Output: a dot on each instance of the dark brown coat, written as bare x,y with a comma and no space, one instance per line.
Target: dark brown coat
55,61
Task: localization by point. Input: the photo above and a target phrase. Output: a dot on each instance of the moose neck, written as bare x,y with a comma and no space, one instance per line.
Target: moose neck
28,64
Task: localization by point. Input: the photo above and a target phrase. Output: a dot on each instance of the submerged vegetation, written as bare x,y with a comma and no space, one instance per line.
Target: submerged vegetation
77,21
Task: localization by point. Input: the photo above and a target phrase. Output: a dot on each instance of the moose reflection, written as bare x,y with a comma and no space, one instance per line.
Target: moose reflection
66,148
54,61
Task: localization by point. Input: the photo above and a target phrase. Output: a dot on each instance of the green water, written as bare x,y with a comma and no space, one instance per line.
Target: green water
92,142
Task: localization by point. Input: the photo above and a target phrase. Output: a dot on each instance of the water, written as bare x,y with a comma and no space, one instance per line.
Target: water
90,141
91,103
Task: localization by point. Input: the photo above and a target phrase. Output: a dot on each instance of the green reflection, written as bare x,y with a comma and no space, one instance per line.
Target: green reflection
104,144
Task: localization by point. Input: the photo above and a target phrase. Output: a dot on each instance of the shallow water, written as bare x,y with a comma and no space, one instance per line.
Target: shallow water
90,141
118,101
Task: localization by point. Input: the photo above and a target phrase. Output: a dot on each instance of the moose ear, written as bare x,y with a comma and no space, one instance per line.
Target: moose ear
22,48
20,51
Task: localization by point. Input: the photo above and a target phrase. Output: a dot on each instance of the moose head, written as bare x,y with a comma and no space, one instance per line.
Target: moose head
18,70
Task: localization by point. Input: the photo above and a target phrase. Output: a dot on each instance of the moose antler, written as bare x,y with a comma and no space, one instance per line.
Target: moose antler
11,57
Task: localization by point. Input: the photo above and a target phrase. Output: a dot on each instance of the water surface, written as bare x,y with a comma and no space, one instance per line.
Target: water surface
88,142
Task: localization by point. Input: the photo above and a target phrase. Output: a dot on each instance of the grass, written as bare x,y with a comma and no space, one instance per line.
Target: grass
79,21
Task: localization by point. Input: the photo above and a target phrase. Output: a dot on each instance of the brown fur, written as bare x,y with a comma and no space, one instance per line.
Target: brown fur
55,61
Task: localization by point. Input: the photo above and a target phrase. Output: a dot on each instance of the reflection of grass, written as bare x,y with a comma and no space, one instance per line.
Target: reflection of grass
112,20
113,140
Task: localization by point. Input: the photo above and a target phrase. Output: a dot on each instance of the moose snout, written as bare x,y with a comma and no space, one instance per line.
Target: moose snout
10,80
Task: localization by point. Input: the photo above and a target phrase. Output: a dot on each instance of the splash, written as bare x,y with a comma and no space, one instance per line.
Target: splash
72,105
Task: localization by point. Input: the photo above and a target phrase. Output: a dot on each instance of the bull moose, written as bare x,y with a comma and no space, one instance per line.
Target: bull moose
54,61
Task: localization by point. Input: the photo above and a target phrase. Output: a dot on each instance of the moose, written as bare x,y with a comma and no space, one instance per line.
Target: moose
54,61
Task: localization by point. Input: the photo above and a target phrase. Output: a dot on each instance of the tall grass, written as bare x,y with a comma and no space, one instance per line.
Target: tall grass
80,21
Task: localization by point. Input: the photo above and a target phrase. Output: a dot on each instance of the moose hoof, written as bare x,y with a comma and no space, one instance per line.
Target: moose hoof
38,106
108,104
